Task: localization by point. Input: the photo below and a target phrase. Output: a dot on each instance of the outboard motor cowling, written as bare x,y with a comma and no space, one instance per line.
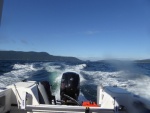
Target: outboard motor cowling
70,87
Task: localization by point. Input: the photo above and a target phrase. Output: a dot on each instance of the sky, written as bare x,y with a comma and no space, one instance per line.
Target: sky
88,29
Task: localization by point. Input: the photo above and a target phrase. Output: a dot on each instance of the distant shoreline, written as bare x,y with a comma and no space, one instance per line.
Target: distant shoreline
45,57
34,56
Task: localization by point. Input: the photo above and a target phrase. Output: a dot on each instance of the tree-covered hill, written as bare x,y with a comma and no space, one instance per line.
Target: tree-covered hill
34,56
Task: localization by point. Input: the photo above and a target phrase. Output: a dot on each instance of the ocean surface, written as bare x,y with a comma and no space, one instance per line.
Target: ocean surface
135,77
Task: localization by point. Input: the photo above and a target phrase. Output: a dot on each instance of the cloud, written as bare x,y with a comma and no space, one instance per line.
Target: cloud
24,41
91,32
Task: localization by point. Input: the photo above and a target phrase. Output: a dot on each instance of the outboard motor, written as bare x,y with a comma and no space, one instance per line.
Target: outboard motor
70,87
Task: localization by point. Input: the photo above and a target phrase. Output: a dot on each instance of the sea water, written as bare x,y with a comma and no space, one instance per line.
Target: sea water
132,76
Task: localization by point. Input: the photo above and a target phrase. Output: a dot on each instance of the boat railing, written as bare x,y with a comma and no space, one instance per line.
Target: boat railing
65,108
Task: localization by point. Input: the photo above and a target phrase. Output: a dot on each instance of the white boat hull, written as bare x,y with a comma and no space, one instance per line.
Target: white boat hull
23,97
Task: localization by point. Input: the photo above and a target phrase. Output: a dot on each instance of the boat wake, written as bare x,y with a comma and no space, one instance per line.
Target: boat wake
133,81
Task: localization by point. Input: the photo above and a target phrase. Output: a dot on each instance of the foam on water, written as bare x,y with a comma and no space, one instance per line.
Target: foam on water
131,79
138,85
19,72
77,69
141,87
50,67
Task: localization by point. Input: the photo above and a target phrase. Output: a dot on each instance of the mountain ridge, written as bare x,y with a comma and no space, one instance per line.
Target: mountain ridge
34,56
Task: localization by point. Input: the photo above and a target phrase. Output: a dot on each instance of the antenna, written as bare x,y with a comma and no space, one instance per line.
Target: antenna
1,9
